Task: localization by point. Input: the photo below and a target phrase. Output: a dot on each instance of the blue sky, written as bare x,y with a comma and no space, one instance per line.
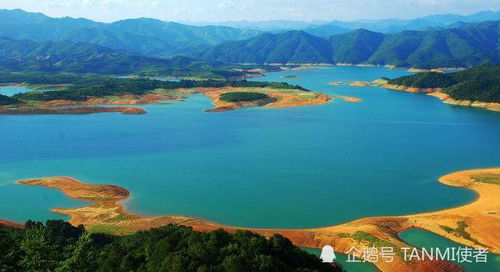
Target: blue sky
250,10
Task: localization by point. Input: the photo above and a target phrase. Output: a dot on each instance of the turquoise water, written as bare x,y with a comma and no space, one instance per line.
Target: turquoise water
284,168
12,90
348,266
424,239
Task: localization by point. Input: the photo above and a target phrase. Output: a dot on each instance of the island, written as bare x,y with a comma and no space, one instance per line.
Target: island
76,94
473,224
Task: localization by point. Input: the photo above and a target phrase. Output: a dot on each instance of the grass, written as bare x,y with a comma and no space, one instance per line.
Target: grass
120,217
447,228
373,241
460,231
487,178
343,235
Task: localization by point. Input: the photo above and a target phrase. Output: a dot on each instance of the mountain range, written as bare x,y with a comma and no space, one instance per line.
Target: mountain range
36,41
467,45
63,56
146,36
432,22
328,28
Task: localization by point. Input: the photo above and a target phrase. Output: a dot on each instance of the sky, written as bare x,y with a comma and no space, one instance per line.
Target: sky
249,10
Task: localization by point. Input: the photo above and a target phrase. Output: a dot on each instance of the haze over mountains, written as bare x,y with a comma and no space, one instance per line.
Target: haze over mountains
80,45
325,28
145,36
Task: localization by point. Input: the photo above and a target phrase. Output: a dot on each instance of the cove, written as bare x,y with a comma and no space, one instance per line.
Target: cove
424,239
269,168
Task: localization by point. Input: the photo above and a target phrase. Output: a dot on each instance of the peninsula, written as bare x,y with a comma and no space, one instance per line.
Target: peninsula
474,87
472,224
77,94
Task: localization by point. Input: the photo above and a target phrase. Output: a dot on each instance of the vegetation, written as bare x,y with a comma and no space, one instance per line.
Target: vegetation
481,83
58,246
81,88
425,80
242,96
487,178
460,231
144,36
5,100
467,45
69,57
446,228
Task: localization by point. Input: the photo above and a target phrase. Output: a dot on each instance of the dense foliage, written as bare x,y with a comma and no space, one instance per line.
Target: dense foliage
467,45
82,87
58,246
242,96
481,83
5,100
56,56
425,80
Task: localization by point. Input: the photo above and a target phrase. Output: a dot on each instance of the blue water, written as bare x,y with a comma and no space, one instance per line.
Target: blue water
12,90
424,239
290,167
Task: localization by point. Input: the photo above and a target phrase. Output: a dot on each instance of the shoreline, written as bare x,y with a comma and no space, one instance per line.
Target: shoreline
434,92
472,224
129,104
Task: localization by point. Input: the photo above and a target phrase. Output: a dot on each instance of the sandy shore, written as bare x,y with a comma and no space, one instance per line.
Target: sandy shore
278,98
475,224
435,92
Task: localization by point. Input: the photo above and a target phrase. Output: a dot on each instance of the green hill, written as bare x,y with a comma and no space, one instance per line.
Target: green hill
5,100
291,46
58,246
145,36
458,47
481,83
356,46
467,45
25,55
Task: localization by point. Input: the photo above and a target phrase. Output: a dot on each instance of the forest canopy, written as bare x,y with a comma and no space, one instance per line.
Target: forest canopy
58,246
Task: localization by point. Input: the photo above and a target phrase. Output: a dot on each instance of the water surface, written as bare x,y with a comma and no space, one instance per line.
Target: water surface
281,168
424,239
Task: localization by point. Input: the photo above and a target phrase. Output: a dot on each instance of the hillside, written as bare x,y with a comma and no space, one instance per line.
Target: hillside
149,37
58,246
480,83
467,45
292,46
25,55
432,22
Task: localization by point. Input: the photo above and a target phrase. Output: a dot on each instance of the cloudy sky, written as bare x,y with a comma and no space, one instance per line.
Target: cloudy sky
250,10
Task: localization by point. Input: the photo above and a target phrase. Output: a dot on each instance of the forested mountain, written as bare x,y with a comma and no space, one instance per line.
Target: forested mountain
58,246
326,29
481,83
431,22
292,46
467,45
50,56
156,38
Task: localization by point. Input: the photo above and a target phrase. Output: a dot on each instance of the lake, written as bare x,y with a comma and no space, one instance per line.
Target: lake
271,168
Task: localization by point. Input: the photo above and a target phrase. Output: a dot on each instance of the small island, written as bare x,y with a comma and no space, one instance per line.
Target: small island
89,94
